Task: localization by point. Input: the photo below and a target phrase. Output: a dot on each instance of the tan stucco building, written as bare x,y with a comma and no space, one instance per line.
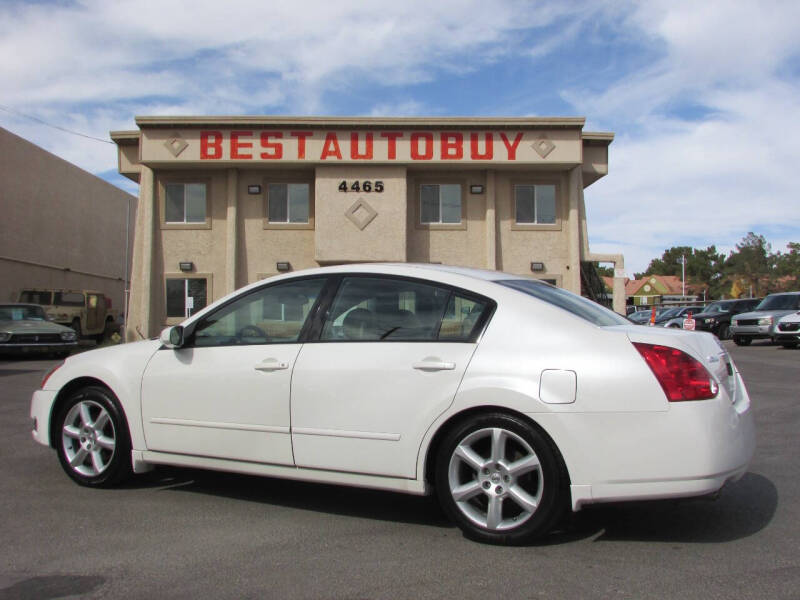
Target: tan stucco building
61,227
225,201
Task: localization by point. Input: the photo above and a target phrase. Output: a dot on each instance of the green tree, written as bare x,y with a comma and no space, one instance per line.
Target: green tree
789,263
703,266
752,264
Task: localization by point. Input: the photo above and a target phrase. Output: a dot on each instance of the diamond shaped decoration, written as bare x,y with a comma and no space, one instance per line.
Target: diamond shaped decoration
361,213
176,145
543,147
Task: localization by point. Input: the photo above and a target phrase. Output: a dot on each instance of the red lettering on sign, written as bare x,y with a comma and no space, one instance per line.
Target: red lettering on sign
452,146
354,154
428,152
392,136
210,145
274,149
511,148
330,147
301,141
488,150
236,144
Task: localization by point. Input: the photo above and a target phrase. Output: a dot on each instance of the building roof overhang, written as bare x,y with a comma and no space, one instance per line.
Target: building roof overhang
367,122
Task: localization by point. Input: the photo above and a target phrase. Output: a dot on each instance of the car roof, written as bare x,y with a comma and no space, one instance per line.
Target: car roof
482,274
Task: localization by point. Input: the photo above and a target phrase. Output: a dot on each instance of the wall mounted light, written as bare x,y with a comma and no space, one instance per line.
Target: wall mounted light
476,189
282,267
186,266
253,189
537,267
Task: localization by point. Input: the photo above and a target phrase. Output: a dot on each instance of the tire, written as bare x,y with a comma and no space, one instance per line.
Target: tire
76,326
92,438
789,345
742,341
724,332
485,494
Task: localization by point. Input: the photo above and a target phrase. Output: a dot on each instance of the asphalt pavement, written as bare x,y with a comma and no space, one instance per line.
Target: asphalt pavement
178,533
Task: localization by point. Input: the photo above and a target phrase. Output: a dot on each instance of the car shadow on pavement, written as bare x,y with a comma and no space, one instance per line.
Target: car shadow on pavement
332,499
742,509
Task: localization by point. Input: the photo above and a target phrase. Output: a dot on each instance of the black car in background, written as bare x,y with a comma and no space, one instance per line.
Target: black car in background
716,317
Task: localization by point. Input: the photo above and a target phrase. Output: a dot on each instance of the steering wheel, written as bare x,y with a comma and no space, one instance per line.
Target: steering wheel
252,331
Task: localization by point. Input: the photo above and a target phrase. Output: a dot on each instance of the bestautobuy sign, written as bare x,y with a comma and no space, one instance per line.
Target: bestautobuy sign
320,146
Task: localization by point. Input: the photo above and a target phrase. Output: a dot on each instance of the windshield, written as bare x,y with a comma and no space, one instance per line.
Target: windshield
11,312
780,302
581,307
717,307
669,313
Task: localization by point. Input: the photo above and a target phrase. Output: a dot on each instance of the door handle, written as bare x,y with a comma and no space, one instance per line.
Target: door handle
271,364
434,365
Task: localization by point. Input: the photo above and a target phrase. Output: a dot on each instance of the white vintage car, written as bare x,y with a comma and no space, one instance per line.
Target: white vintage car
510,399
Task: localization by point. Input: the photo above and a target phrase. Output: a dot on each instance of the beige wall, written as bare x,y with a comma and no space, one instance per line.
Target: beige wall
237,245
61,226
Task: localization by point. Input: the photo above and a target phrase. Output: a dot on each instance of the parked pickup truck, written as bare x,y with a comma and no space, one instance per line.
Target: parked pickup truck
88,312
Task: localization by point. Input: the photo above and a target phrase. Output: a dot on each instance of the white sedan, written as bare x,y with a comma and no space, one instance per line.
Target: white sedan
509,398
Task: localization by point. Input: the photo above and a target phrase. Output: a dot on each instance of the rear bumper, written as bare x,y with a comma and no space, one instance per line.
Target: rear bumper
690,449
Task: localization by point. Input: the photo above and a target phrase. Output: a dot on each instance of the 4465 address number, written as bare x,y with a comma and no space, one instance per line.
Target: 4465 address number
361,186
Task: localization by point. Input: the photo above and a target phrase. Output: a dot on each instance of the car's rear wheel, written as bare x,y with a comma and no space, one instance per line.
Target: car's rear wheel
724,332
741,340
92,438
500,479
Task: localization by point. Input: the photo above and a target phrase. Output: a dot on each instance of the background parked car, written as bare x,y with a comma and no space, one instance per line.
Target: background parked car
716,317
788,331
675,316
24,328
87,312
642,317
761,323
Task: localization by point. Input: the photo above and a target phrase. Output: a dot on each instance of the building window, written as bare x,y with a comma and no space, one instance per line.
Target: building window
185,203
535,204
186,296
440,203
288,203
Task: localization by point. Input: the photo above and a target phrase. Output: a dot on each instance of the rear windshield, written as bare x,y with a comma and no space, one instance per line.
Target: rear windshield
581,307
780,302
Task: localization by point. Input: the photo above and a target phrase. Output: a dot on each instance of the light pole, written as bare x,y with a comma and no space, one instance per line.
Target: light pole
683,276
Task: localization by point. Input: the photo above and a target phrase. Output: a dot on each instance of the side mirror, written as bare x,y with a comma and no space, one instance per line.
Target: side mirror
172,337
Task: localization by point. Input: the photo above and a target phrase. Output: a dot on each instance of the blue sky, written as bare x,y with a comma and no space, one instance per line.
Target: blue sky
703,97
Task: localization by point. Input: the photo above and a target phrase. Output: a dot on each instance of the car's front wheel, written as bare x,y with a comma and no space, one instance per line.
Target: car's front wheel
500,479
741,340
92,438
724,332
789,345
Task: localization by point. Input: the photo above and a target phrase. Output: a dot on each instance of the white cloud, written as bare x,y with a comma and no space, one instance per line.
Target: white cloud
676,181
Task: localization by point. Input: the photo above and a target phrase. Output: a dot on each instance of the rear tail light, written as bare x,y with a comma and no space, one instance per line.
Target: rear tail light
681,376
